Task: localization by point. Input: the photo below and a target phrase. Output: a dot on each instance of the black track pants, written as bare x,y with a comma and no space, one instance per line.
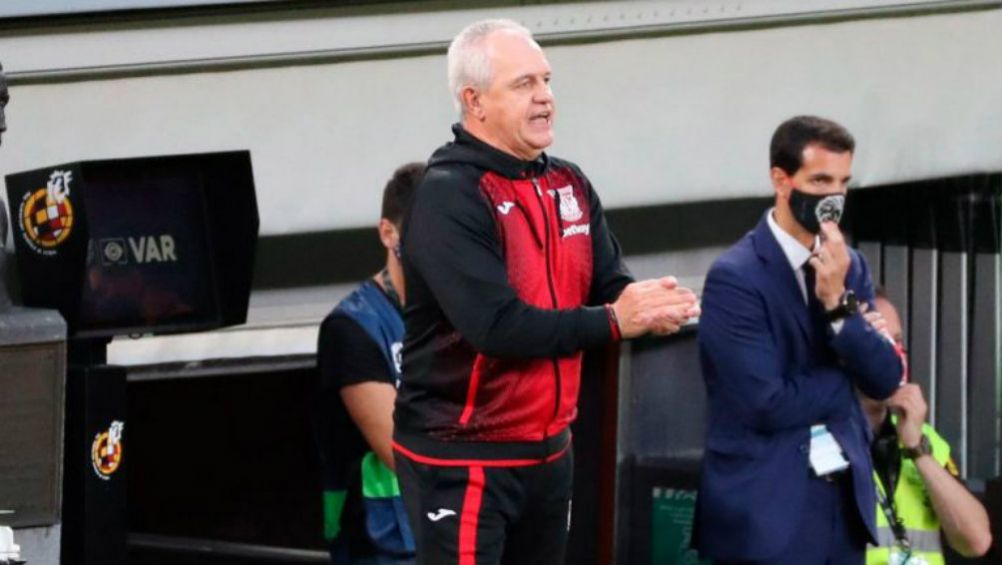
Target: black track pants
488,515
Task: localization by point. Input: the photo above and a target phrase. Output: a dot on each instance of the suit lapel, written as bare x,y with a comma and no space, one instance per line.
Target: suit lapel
782,275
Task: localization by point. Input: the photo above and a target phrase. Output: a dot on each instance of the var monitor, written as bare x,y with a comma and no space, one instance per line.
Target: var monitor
143,245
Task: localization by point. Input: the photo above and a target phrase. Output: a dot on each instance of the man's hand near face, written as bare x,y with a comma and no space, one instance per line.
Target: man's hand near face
912,410
962,517
831,264
656,306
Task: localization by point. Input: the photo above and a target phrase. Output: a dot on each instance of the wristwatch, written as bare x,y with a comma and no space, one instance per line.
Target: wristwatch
847,306
923,448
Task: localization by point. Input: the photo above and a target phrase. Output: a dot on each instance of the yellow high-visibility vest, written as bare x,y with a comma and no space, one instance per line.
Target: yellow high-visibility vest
914,509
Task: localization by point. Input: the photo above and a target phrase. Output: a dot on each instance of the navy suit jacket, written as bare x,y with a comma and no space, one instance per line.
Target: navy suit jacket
771,371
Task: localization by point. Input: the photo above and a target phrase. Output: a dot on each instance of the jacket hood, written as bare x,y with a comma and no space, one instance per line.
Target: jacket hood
469,150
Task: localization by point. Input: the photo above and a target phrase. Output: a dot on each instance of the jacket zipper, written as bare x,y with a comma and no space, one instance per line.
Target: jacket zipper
467,414
553,298
532,225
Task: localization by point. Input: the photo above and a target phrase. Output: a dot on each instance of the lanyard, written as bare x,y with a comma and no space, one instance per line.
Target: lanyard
892,518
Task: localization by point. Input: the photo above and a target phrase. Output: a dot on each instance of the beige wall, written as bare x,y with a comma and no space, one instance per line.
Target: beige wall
677,117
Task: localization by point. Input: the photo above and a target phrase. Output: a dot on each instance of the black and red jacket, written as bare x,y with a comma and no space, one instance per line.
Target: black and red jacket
508,267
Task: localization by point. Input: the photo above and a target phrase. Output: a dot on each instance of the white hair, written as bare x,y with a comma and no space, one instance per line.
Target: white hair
468,62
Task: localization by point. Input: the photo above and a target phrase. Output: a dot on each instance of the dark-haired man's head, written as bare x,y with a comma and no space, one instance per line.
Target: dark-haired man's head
397,197
786,151
874,409
811,164
399,190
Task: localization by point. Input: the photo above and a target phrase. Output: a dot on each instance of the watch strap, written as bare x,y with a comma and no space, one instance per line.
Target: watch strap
847,306
923,448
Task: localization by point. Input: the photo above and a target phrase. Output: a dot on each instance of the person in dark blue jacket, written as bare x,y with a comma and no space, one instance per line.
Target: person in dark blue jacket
787,476
358,357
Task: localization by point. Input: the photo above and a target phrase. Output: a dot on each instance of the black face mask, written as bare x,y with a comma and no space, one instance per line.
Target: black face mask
811,209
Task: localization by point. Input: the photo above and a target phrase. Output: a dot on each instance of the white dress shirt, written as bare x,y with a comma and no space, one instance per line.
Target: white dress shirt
795,252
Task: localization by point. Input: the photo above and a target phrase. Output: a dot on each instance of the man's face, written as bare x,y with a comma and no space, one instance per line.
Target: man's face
517,108
821,172
890,314
4,98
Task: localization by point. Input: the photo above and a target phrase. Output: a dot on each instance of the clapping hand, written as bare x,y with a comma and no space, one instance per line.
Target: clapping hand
658,306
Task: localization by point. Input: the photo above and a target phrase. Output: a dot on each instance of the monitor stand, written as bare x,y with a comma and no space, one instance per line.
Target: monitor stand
95,522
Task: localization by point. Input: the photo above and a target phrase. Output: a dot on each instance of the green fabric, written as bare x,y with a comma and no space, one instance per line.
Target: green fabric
333,506
378,481
914,508
672,513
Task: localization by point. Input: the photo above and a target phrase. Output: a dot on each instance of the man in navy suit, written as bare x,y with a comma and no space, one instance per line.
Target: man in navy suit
787,475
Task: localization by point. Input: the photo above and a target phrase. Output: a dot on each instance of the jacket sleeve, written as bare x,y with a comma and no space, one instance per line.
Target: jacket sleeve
742,360
609,273
451,243
870,359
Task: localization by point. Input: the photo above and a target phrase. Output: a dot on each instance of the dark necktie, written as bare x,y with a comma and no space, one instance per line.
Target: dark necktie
809,281
814,306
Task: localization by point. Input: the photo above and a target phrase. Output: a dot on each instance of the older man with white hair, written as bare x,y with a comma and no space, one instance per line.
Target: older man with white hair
511,272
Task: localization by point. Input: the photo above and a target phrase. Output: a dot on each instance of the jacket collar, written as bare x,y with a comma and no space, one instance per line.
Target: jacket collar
770,252
494,159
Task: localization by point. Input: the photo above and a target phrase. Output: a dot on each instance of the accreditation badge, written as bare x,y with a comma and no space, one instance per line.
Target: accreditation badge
901,557
826,454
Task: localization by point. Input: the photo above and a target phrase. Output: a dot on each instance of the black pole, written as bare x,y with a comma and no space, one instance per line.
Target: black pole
94,488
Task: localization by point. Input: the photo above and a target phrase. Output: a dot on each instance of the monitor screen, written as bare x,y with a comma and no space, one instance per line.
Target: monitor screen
147,255
143,245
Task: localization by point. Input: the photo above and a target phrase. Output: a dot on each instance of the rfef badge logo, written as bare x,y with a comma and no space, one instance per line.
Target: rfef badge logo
47,214
106,451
